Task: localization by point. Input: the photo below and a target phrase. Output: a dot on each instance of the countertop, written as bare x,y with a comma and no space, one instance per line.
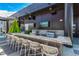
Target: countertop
59,39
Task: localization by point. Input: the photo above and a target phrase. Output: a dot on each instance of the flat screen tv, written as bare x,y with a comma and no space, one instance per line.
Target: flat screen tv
44,24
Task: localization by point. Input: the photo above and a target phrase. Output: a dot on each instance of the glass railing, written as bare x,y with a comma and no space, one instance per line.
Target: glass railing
2,36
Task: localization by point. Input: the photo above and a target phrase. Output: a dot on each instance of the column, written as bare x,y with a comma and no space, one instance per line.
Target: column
69,19
7,26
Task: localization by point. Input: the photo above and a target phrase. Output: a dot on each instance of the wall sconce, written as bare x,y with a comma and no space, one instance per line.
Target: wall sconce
30,16
61,20
50,8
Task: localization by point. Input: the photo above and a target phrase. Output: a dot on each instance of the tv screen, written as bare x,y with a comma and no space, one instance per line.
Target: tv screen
44,24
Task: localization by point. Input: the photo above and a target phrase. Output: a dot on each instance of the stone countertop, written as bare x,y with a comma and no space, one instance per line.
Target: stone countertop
59,39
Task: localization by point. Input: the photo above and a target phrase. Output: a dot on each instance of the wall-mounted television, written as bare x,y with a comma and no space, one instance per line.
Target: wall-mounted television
44,24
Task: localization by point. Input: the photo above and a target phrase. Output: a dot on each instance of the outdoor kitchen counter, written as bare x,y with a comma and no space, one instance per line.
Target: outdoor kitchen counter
60,39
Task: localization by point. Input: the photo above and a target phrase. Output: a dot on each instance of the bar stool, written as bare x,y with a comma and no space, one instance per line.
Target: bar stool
49,50
25,45
13,42
8,39
35,47
17,43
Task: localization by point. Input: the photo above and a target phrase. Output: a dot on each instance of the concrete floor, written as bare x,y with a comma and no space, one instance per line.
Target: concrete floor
7,50
74,51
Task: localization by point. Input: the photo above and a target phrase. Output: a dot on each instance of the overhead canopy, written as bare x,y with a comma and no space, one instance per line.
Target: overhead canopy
4,19
31,8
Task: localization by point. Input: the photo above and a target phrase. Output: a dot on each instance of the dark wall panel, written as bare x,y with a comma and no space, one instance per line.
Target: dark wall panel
55,24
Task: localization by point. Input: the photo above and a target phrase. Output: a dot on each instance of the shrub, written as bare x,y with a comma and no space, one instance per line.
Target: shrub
14,28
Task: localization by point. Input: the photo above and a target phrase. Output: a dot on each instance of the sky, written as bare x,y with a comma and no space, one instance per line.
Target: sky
7,9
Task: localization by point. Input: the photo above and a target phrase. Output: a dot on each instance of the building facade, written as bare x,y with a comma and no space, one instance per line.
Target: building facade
57,16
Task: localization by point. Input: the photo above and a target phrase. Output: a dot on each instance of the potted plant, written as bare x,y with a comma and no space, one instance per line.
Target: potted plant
28,31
